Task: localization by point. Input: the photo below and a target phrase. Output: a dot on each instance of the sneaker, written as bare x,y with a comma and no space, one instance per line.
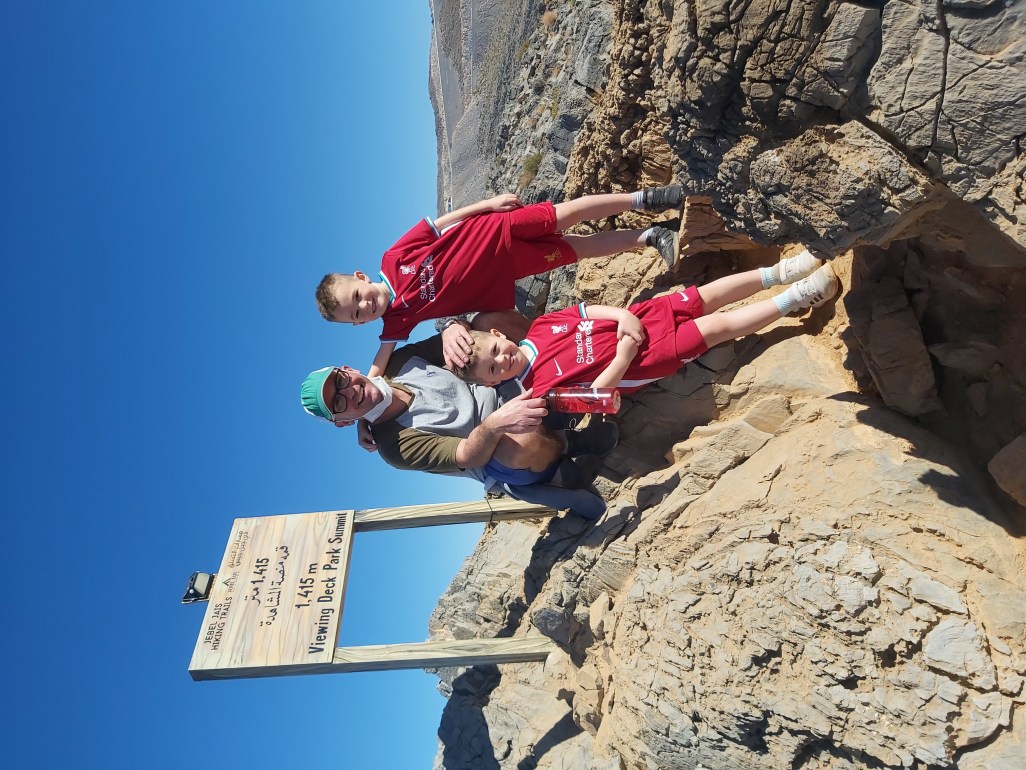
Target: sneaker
663,198
666,242
815,290
598,438
568,475
797,267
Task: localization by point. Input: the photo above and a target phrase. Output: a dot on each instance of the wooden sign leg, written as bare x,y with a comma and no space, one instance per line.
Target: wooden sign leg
465,652
376,519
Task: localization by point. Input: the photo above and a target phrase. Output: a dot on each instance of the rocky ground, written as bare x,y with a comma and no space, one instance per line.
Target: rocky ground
813,555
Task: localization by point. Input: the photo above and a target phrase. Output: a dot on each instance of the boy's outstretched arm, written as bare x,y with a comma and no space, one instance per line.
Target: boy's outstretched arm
377,367
504,202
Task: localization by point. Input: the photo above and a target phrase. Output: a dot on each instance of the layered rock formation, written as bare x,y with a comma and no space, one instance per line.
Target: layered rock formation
813,552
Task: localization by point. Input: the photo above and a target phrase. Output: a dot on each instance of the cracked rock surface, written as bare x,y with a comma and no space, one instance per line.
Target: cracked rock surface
813,553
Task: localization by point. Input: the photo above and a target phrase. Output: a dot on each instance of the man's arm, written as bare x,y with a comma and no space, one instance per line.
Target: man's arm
410,449
522,414
457,343
433,349
505,202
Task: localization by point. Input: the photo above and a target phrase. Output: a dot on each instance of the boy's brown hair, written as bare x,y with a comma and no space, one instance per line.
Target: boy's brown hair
465,372
327,294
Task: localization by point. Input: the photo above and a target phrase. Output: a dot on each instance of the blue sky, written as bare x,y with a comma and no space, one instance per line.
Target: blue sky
178,176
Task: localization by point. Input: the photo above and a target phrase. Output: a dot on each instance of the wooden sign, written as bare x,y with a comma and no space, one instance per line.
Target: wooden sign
276,602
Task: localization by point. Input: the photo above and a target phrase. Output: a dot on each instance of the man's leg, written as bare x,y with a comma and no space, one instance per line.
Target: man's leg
582,502
533,451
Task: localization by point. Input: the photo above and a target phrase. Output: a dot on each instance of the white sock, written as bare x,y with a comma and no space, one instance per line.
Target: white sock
638,200
786,301
770,276
643,238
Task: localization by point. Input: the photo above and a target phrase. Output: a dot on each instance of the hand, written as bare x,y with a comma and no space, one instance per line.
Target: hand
626,349
630,326
457,344
504,202
522,414
364,437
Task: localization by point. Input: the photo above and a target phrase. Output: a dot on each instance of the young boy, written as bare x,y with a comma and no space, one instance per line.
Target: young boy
468,260
600,346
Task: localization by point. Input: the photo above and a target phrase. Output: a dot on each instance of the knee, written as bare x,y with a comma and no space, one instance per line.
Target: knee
714,329
535,451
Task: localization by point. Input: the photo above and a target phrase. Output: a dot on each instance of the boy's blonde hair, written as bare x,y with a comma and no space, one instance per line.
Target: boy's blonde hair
465,372
327,293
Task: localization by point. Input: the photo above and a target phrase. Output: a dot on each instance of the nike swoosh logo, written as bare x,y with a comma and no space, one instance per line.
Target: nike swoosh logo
558,370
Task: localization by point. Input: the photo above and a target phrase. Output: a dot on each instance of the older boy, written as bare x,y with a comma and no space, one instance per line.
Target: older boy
602,346
468,260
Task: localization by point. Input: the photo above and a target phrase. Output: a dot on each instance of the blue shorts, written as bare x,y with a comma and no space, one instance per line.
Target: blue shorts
519,476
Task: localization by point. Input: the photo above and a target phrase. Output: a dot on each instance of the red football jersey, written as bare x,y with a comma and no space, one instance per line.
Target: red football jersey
568,348
464,268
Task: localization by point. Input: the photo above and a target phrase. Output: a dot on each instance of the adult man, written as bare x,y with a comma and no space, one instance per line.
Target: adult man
422,417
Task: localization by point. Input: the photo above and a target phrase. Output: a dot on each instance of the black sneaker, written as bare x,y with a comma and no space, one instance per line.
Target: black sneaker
666,242
663,198
568,475
599,438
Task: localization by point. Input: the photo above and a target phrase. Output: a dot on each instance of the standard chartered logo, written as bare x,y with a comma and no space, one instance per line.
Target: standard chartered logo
427,279
582,339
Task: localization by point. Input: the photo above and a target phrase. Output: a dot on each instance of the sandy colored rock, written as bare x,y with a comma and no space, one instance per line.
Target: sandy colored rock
805,564
1009,469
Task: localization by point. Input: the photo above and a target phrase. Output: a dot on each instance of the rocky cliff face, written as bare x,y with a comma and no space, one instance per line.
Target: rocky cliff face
813,555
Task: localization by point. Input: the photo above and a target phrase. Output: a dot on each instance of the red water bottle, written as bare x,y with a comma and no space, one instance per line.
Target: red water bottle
582,400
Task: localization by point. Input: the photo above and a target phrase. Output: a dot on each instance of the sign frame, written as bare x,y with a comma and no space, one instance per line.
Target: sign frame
246,649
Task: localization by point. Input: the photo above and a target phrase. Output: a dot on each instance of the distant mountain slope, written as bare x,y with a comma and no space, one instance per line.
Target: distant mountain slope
472,53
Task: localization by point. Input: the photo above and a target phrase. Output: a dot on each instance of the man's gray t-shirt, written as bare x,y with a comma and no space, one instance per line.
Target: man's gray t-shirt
443,412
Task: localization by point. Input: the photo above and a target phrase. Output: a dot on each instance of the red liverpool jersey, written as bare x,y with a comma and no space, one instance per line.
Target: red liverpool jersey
568,348
433,275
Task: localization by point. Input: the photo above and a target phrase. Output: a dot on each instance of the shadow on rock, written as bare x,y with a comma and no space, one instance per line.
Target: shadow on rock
464,729
563,730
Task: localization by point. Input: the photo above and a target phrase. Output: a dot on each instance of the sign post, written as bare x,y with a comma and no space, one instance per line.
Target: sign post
275,604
